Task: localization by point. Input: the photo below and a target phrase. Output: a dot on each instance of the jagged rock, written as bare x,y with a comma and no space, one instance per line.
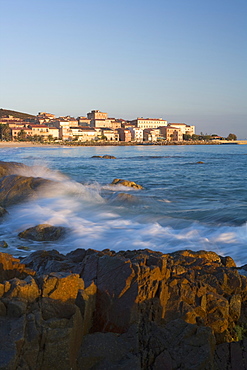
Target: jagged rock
128,183
15,189
43,232
125,310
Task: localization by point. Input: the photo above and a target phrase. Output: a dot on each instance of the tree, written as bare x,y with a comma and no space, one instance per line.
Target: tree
4,131
22,135
187,137
231,137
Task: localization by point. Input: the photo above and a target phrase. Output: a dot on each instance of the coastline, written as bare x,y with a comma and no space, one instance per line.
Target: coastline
28,144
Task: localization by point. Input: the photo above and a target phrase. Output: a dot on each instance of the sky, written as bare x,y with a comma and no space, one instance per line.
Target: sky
184,61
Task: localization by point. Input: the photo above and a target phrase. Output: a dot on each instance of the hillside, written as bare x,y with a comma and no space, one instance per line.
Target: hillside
4,112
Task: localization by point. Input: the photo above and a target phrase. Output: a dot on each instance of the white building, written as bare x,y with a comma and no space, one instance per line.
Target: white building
149,122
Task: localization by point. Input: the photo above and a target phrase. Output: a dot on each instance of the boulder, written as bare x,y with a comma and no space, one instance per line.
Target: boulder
128,183
11,168
15,189
43,232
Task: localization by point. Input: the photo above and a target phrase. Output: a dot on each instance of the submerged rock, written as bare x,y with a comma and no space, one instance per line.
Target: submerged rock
43,232
128,183
127,310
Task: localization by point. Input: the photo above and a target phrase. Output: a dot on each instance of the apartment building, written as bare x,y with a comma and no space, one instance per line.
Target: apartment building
124,134
82,133
110,134
136,133
171,133
149,122
151,134
185,129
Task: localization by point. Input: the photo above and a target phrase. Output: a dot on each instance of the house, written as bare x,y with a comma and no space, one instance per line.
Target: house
16,132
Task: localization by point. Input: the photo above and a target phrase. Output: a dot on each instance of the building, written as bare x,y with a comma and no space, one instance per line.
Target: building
110,134
96,114
124,134
185,129
16,132
136,133
83,133
83,121
171,133
149,122
151,134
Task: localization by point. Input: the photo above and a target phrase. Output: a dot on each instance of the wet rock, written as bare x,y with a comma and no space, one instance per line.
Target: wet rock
10,168
104,156
200,162
43,232
3,244
3,212
15,189
128,183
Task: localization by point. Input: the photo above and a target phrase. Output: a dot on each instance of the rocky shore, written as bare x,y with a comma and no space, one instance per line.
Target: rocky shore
99,310
127,310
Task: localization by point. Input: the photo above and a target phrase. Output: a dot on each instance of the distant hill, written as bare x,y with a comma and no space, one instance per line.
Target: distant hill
6,112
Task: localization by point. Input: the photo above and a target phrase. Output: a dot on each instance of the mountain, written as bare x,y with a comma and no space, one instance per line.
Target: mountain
5,112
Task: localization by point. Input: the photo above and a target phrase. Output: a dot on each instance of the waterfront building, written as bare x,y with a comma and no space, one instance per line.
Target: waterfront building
136,133
151,134
124,134
185,129
149,122
171,133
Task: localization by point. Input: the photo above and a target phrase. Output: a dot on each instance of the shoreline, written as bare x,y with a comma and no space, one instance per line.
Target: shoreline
28,144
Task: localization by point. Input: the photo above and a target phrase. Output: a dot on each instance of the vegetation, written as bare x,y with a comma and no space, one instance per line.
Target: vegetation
5,133
6,112
231,137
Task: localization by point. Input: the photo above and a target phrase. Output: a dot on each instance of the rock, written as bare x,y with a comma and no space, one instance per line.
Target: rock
127,310
2,211
104,156
43,232
15,189
109,157
10,168
3,244
200,162
123,198
128,183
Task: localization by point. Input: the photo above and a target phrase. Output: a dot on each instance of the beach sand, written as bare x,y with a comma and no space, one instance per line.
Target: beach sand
23,144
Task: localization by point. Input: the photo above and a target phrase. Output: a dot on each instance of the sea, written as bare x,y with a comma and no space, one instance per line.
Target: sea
185,204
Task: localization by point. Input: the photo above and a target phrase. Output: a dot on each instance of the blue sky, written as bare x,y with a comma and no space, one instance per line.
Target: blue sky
184,61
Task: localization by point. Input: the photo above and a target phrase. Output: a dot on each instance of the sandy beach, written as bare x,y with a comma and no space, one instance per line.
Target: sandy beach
23,144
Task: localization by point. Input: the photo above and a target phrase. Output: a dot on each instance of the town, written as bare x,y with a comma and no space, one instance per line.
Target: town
96,126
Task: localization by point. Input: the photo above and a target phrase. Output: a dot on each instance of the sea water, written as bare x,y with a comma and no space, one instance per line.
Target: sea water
184,204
